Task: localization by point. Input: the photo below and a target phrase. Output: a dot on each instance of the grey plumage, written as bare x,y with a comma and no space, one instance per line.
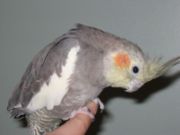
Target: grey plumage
85,78
93,72
94,42
38,71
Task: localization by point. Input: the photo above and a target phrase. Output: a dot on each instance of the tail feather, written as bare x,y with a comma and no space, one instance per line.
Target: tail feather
42,123
36,131
17,113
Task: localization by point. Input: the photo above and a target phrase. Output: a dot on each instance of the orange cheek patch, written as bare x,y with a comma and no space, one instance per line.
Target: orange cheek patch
122,60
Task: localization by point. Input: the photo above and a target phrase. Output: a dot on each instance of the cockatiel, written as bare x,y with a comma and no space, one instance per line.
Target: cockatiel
73,70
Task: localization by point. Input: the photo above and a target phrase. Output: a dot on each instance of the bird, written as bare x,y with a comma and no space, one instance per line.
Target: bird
73,70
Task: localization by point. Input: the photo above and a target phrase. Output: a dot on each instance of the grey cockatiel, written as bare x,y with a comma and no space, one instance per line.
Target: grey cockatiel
73,70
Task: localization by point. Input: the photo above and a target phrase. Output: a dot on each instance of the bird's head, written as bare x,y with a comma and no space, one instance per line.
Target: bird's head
130,68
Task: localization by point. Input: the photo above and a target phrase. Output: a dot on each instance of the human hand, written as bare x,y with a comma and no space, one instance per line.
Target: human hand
78,125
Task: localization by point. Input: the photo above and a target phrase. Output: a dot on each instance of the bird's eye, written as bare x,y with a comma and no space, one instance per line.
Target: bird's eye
135,69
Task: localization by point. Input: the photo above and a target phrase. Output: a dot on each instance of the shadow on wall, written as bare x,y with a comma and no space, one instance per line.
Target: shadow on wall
141,96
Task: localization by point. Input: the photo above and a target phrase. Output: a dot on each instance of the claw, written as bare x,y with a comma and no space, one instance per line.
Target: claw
99,102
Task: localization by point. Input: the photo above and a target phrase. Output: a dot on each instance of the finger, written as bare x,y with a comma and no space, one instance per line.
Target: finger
77,125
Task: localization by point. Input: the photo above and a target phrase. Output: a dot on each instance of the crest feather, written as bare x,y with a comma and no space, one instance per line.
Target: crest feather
155,68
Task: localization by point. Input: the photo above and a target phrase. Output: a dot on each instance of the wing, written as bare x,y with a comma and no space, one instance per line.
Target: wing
53,66
45,66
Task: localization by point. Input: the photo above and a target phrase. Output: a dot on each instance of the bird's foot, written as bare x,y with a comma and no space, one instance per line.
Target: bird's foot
83,110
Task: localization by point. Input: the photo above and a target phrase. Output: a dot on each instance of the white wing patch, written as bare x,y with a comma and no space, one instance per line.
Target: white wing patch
51,95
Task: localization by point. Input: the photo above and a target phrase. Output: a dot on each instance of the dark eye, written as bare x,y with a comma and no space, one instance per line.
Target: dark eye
135,69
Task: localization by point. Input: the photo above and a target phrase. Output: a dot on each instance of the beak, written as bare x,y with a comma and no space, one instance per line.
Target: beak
134,85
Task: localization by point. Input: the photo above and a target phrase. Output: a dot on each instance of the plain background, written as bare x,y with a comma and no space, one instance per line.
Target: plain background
26,26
